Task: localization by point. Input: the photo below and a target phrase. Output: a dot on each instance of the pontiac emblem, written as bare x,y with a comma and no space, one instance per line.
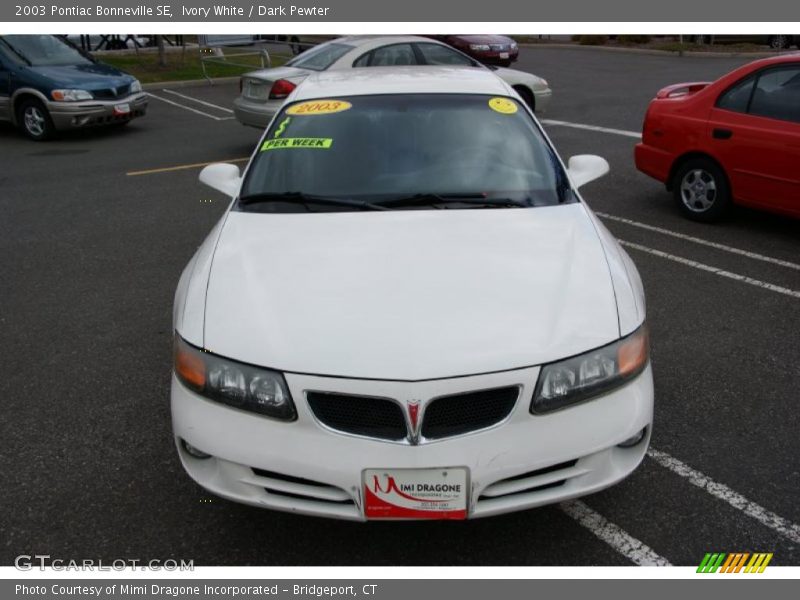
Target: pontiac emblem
413,421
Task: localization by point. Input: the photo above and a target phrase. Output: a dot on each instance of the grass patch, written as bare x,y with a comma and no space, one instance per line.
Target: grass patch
182,66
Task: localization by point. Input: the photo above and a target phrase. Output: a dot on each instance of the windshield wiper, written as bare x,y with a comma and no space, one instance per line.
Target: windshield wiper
306,199
476,200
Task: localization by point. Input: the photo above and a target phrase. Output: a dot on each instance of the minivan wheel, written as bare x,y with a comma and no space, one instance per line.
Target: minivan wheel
701,190
34,120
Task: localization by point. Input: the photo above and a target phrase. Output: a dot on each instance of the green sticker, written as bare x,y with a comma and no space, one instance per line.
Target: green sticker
275,144
282,127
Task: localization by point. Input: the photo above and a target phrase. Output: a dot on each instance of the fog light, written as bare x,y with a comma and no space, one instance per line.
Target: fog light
194,451
633,441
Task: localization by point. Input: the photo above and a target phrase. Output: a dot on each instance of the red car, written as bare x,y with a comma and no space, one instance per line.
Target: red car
487,49
736,140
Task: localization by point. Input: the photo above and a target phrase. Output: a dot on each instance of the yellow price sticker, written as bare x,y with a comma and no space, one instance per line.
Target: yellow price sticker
318,107
278,143
503,106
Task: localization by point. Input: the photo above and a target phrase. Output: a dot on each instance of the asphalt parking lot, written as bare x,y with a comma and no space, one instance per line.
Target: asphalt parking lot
97,226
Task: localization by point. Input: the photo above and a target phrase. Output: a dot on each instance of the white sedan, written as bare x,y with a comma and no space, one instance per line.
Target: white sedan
264,91
408,311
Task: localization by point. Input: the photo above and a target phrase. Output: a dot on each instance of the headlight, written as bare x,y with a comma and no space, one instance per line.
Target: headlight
233,383
479,47
136,87
514,45
582,377
70,95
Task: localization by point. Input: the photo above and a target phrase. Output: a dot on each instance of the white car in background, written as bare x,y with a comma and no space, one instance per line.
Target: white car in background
264,91
408,311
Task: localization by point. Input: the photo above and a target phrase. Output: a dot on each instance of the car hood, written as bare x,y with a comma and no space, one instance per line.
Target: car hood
92,76
409,295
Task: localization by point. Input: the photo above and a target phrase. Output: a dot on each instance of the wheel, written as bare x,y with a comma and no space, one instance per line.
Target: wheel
528,96
34,120
505,63
701,190
779,42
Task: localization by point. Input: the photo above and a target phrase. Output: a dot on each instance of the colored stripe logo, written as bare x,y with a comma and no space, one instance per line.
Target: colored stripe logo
735,562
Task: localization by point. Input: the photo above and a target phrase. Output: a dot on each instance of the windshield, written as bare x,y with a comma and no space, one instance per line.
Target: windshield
319,58
386,148
45,50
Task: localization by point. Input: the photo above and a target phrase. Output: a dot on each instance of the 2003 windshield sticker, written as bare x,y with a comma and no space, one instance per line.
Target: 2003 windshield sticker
318,107
285,143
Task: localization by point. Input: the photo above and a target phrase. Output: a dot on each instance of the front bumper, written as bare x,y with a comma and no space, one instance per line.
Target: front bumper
254,113
494,57
653,161
523,462
92,113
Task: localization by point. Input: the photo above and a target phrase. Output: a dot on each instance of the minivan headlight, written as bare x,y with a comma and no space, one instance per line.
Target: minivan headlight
70,95
236,384
136,87
585,376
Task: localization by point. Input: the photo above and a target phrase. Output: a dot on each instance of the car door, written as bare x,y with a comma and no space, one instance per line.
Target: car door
754,132
5,88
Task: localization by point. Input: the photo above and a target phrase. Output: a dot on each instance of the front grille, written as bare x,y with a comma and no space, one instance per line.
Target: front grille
500,47
454,415
360,415
298,488
533,481
112,93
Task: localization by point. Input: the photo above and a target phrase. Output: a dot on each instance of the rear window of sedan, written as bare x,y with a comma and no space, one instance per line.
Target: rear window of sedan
320,58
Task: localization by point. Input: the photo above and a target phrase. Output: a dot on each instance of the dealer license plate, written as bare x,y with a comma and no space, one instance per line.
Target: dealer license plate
416,493
122,109
504,55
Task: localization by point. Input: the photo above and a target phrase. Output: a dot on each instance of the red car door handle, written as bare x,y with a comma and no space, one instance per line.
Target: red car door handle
722,134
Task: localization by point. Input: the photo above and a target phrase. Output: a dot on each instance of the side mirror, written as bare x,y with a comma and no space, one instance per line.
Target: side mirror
223,177
584,168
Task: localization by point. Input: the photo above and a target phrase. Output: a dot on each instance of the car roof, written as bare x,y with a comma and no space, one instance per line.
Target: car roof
401,80
369,41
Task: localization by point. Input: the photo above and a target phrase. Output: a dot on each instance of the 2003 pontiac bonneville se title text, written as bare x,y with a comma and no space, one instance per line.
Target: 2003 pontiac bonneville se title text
170,10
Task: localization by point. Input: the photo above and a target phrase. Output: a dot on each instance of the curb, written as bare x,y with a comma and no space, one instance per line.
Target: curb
652,52
188,82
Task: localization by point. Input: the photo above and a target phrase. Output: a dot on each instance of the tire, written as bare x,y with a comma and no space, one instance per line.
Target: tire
779,42
527,96
701,190
34,120
505,63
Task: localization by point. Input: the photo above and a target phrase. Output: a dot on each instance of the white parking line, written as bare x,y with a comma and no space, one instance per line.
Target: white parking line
689,238
722,273
203,102
619,539
189,108
624,132
718,490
